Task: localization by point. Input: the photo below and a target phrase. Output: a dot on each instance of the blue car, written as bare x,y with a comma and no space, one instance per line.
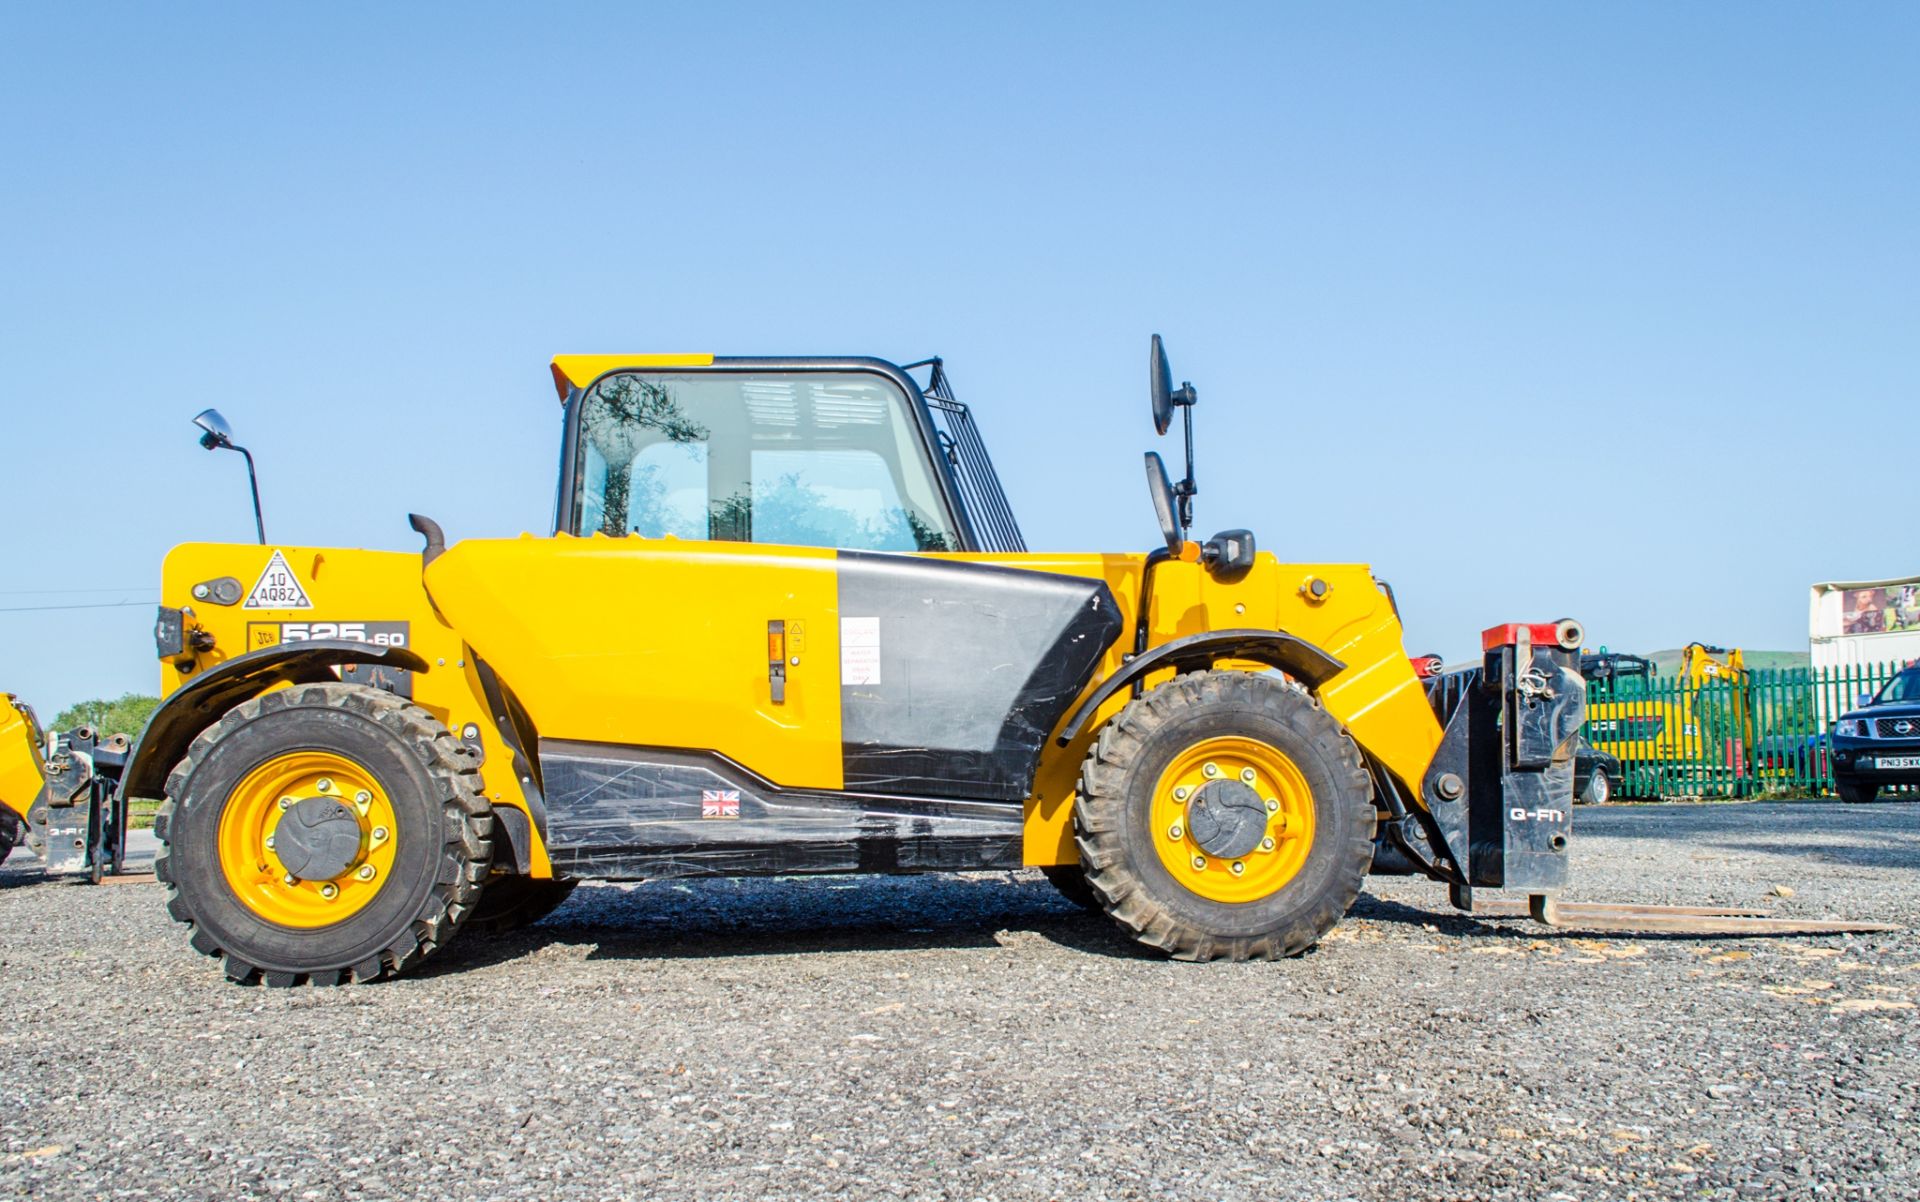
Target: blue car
1879,743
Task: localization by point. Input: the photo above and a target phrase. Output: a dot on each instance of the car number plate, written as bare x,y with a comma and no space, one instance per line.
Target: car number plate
1897,761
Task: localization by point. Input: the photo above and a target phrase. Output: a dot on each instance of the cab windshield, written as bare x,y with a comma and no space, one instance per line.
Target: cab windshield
823,459
1905,686
1618,675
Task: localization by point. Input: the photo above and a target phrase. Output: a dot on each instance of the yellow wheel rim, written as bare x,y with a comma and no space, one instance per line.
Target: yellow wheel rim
1288,836
253,813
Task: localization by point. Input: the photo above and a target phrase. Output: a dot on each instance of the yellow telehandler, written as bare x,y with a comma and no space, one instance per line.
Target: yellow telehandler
786,623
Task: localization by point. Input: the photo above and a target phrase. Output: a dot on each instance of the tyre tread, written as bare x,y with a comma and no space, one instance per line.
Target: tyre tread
1099,807
468,823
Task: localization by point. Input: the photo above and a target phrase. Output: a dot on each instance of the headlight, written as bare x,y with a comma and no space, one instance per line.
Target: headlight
1851,728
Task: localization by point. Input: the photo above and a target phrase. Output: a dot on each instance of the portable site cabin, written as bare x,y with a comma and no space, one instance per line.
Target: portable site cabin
1856,623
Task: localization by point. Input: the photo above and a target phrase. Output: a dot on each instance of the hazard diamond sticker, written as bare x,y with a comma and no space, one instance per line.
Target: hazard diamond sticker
278,588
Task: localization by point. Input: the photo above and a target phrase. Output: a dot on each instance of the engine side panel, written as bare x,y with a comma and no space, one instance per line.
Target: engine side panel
962,671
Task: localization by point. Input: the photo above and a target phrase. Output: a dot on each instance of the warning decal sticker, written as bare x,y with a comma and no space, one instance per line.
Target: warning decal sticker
277,588
859,651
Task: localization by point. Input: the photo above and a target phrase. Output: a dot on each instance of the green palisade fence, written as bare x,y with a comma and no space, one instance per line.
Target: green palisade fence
1764,733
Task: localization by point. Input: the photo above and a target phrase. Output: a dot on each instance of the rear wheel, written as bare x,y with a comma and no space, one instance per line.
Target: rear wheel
1225,814
511,902
323,832
1855,791
9,833
1599,788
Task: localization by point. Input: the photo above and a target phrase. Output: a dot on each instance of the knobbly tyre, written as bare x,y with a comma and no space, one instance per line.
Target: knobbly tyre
786,623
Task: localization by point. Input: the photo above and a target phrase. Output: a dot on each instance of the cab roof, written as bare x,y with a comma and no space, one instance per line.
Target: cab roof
578,371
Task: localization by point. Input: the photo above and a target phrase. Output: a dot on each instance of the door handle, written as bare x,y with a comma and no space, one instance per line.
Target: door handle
777,661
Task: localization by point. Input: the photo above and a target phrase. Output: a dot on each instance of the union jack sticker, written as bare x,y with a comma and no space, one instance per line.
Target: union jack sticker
719,803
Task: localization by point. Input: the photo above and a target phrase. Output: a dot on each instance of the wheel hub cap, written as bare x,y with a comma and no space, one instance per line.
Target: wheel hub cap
1227,818
317,839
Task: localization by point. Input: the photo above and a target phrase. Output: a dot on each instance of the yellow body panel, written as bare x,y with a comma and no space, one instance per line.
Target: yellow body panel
663,642
1617,728
22,770
349,591
1378,695
659,641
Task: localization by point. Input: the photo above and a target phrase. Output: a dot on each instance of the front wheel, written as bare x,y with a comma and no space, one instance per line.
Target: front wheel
1225,814
1855,792
325,832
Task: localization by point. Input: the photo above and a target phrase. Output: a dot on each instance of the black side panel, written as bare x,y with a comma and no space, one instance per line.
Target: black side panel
974,667
643,812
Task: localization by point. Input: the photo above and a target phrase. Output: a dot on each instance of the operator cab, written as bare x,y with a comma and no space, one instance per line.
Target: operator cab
852,454
802,452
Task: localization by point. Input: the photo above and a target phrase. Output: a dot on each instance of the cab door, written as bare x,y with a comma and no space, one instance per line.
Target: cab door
690,601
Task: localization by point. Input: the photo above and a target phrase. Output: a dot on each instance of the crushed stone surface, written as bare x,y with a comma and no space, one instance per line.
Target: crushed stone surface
978,1037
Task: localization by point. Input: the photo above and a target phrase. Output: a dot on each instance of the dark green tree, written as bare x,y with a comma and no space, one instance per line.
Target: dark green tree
123,715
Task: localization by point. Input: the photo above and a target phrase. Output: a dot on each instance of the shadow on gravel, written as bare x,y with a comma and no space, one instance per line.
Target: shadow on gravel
1454,923
729,919
735,918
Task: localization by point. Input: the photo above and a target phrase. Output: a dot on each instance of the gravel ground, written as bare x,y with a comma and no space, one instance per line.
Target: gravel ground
976,1037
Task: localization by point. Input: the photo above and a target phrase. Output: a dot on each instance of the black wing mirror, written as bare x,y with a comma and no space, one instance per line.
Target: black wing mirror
215,432
1159,386
1161,490
1166,398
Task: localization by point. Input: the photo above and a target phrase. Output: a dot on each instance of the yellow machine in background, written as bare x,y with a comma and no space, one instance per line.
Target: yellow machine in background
1670,737
786,623
22,770
1629,718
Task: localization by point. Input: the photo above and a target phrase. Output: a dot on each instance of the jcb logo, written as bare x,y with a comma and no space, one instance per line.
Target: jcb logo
1520,815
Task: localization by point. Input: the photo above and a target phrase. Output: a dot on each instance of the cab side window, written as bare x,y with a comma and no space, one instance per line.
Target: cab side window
803,458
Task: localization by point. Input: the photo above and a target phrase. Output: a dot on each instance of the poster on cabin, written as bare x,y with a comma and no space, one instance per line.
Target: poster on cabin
1880,610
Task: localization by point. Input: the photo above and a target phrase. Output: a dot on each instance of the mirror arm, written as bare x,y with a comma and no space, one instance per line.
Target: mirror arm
1187,488
253,482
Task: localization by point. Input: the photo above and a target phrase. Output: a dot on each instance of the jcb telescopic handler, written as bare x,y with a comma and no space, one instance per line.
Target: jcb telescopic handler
786,623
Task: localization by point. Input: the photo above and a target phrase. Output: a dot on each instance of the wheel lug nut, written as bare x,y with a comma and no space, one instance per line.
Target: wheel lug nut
1246,774
324,785
1181,793
1273,807
329,891
1199,863
1210,770
286,803
1266,844
1173,832
290,879
1238,868
269,842
366,872
379,834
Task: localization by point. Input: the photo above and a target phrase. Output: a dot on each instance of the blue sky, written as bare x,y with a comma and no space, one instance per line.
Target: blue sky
1604,311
